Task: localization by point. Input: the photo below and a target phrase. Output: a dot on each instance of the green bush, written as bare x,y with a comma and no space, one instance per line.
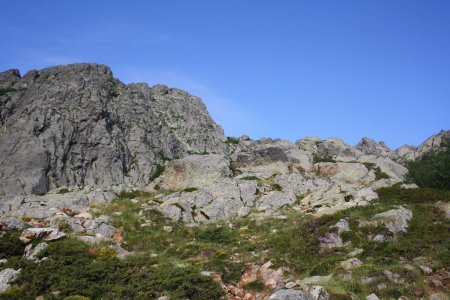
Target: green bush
3,91
71,270
250,178
129,195
63,191
431,170
10,245
220,235
158,172
318,158
380,174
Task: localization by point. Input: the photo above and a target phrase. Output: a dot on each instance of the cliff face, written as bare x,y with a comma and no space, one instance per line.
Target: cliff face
78,125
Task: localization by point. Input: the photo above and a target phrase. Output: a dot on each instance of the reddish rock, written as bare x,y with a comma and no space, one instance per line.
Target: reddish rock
417,291
47,234
118,235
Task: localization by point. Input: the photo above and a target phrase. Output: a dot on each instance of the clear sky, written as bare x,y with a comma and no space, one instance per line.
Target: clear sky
286,69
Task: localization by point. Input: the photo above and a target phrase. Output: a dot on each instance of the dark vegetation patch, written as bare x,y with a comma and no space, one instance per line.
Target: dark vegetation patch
319,158
432,169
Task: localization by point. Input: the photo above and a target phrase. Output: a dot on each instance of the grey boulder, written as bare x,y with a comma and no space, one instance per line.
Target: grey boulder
289,294
6,276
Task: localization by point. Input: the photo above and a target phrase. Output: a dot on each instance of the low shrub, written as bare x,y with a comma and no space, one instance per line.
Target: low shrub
431,170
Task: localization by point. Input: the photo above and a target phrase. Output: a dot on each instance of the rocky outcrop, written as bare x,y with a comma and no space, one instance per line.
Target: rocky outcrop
434,142
371,147
78,125
193,171
46,206
267,157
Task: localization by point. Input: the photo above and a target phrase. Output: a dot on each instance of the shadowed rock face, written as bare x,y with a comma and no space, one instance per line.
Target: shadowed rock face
78,125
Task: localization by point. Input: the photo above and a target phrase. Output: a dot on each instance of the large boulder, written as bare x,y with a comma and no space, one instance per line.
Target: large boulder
395,220
289,294
193,171
78,125
218,201
334,148
336,197
46,234
371,147
274,200
348,172
255,156
7,276
300,184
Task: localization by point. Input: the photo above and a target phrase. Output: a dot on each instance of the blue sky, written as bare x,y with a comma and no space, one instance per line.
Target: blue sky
286,69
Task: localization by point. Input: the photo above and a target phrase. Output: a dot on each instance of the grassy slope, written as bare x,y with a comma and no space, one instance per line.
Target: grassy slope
169,262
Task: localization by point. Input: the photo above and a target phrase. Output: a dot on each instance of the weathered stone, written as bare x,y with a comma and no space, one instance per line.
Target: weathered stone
299,184
266,151
372,297
47,234
371,147
330,241
12,224
348,172
46,206
444,206
405,152
317,293
351,263
31,252
336,197
194,171
247,190
395,220
120,252
90,240
394,170
272,279
342,226
289,294
438,296
274,200
312,280
6,276
356,252
409,186
426,270
393,277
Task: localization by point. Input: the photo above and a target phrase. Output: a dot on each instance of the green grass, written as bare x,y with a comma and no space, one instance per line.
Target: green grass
318,158
4,91
250,178
63,191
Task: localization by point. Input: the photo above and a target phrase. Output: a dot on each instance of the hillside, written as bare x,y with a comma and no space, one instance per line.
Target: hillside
114,191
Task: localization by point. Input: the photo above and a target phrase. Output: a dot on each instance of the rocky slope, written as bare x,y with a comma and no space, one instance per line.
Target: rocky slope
79,129
78,125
